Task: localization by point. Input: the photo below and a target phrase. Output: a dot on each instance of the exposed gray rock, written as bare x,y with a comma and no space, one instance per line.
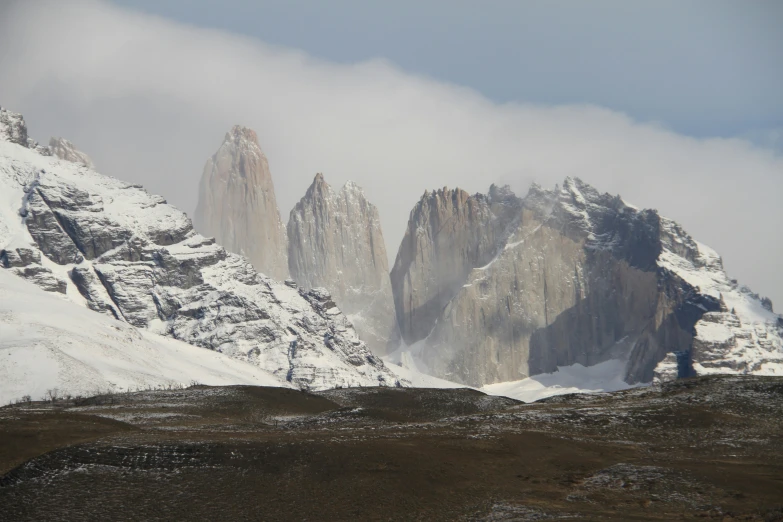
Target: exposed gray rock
19,257
335,241
237,204
93,291
46,230
43,277
93,237
131,288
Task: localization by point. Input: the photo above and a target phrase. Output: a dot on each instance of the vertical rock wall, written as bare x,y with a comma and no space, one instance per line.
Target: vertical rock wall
496,288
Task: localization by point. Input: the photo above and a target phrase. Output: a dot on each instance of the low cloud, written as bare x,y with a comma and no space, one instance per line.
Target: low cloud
150,100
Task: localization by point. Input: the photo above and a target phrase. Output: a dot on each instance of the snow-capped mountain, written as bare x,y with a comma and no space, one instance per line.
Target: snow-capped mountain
495,288
566,288
114,248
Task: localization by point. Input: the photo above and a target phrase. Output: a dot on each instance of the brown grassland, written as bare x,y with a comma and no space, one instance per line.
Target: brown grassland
705,448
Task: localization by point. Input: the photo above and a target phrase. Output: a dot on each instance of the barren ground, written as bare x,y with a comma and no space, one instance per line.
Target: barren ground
706,448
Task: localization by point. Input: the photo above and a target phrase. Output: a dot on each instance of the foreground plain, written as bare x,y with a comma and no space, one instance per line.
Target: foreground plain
704,448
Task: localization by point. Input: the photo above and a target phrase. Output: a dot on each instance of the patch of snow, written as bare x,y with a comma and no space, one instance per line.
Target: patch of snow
713,332
421,380
602,377
767,368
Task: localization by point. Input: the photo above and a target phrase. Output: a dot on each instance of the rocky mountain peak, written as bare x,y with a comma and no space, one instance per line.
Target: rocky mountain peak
584,196
335,241
497,292
502,193
574,184
352,189
242,138
13,127
66,150
237,203
319,188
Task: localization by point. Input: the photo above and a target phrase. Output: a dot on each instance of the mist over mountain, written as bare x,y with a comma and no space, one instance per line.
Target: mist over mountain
391,261
491,288
150,99
485,289
117,250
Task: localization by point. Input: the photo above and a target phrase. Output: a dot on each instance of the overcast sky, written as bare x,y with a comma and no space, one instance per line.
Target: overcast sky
674,105
702,67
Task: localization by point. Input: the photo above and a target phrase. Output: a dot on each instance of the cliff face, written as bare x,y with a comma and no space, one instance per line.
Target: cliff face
118,250
335,241
449,233
496,288
237,204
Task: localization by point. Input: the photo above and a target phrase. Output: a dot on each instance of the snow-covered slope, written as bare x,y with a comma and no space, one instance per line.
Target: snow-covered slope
118,250
602,377
47,343
743,336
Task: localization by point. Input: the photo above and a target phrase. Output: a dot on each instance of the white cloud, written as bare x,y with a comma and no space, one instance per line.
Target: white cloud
150,100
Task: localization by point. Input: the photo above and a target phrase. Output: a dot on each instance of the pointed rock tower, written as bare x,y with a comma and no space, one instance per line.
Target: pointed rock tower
335,242
237,204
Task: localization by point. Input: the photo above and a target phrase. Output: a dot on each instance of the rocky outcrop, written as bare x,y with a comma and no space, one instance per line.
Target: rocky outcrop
335,242
492,288
26,263
65,150
742,335
128,254
12,127
237,204
14,130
